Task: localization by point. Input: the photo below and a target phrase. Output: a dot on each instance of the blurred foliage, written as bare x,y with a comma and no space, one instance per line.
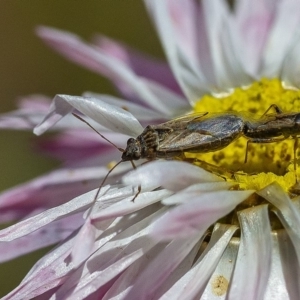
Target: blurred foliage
29,67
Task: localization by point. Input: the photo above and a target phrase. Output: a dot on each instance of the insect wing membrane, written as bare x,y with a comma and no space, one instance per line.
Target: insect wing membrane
204,134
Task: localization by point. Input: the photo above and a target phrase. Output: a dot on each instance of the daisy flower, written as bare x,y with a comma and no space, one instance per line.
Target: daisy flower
216,228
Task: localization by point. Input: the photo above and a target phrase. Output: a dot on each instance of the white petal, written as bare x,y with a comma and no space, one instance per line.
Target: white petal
179,272
197,189
73,48
127,206
287,212
140,112
46,236
124,283
189,77
107,115
227,68
83,243
194,281
291,65
176,104
280,38
167,174
51,269
29,225
253,24
217,287
197,214
55,267
109,261
277,287
161,268
252,268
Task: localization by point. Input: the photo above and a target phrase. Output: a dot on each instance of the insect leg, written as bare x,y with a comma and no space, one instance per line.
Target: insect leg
262,141
275,107
296,144
246,154
139,187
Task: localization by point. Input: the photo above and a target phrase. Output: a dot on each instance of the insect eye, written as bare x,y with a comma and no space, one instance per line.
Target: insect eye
130,141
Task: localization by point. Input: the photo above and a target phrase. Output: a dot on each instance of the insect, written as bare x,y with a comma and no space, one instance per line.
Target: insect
192,133
273,128
200,132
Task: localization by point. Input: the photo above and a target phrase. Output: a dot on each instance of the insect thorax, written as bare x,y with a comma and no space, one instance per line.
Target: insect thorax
145,145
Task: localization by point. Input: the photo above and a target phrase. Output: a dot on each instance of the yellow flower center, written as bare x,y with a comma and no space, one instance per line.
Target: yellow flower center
267,162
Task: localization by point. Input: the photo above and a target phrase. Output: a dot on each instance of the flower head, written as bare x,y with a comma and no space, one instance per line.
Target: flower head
172,229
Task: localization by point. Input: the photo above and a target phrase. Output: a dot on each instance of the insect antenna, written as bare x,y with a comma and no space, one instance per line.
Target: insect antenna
106,176
87,123
296,144
100,187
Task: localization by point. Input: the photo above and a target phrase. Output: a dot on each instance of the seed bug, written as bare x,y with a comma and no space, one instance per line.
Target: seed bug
192,133
200,132
273,128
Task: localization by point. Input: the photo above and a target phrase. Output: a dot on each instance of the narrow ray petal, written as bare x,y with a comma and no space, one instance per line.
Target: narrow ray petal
165,173
198,213
252,269
112,117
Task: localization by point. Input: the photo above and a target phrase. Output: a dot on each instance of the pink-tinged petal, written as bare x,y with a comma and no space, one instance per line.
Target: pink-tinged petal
77,145
142,113
190,78
253,263
127,206
176,104
194,281
20,121
29,225
142,65
83,243
280,39
197,214
165,173
109,116
217,286
227,66
161,268
34,102
197,189
184,15
123,285
46,236
188,20
277,286
287,212
92,57
30,112
253,22
110,260
55,267
291,66
48,273
52,189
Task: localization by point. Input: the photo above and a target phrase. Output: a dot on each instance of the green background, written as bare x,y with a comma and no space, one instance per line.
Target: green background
29,67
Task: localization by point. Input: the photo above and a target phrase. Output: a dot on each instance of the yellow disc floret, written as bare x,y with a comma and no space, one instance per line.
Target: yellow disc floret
267,162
